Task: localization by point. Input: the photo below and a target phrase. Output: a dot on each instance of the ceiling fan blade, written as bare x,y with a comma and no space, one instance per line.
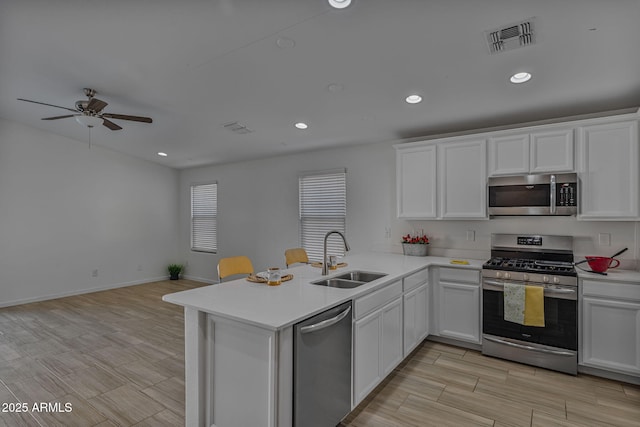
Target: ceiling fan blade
125,117
110,124
96,105
50,105
59,117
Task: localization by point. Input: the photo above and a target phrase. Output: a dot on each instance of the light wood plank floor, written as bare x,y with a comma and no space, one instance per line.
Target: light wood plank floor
118,358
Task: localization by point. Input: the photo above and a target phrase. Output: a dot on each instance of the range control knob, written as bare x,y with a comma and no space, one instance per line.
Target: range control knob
499,274
545,279
525,277
556,280
507,275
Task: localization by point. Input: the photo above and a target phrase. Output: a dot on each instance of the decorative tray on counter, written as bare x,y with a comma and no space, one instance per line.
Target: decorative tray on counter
258,279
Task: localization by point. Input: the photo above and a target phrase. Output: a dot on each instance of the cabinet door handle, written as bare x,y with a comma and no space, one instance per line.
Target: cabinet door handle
325,323
552,195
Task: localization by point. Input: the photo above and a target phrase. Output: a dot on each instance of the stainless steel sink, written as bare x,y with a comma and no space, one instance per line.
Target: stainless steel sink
338,283
351,279
361,276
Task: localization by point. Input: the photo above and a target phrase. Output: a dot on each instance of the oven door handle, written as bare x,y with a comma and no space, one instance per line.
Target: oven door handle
547,290
528,347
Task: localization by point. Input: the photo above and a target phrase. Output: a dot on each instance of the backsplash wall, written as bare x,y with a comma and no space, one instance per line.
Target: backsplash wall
449,238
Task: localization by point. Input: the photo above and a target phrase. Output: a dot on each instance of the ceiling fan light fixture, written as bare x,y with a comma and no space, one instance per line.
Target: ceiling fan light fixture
339,4
413,99
89,121
301,125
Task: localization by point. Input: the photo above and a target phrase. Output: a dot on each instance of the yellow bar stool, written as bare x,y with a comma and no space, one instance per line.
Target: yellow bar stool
295,255
234,265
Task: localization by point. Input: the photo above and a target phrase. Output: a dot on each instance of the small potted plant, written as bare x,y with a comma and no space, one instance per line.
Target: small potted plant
415,244
174,271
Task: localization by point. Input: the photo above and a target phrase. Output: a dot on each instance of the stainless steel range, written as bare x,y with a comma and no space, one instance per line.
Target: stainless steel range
518,262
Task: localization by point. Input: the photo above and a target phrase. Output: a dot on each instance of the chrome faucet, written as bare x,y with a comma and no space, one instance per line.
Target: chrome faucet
325,266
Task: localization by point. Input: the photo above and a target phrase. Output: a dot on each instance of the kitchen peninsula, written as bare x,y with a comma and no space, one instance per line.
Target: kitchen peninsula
239,335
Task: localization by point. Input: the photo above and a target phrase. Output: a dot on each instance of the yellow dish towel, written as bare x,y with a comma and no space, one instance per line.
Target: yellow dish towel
534,306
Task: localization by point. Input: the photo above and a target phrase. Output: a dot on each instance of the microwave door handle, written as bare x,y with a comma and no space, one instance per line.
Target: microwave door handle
552,195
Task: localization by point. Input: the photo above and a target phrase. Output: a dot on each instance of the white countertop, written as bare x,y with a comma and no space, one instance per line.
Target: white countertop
277,307
613,275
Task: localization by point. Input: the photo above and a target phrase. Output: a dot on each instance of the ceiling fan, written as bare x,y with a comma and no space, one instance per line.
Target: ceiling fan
89,112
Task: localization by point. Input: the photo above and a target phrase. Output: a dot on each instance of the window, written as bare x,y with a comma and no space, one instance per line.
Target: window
323,207
204,217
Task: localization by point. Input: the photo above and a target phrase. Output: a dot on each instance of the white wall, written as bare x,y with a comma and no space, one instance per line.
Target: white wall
258,213
67,210
258,204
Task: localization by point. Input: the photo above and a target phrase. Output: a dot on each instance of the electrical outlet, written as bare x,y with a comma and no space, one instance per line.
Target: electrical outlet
139,267
471,235
94,273
604,239
387,232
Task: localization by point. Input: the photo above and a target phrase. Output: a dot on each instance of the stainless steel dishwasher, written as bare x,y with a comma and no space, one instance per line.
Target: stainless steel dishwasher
322,368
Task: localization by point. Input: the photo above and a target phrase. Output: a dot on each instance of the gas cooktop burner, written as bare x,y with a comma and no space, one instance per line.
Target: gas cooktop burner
531,266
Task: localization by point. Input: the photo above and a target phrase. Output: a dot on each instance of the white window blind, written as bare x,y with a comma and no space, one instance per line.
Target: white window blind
323,207
204,217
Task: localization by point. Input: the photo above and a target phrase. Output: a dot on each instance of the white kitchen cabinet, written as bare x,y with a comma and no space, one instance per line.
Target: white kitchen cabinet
457,308
416,309
537,151
608,171
416,319
611,326
508,155
457,191
416,182
378,338
463,179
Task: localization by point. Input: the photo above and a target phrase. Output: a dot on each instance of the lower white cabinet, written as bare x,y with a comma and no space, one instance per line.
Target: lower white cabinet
377,347
611,326
416,319
457,308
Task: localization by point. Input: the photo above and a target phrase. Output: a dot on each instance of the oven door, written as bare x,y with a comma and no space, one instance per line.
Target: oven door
560,316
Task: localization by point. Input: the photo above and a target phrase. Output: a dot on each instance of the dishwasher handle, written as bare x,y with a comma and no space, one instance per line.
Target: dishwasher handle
325,323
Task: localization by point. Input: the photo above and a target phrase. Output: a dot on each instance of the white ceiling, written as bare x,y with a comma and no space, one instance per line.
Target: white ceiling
195,65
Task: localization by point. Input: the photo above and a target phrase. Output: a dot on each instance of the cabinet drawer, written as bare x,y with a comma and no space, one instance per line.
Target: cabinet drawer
460,275
626,291
377,299
416,279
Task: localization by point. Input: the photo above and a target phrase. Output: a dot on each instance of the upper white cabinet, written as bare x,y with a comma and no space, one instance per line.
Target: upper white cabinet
539,151
608,170
462,180
445,179
416,182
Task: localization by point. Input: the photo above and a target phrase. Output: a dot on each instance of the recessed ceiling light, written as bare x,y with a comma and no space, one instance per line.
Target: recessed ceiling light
339,4
301,125
413,99
285,42
161,154
335,87
520,77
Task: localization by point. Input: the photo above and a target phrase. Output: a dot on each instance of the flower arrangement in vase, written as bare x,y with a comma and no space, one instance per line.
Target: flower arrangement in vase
415,244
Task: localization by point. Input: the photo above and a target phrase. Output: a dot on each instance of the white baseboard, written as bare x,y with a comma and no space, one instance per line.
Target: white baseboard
199,279
80,292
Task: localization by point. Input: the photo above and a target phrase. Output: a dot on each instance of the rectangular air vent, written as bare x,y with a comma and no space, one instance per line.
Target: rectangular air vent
236,127
511,36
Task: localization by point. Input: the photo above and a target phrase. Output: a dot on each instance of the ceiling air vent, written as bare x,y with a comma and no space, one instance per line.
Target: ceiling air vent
511,37
236,127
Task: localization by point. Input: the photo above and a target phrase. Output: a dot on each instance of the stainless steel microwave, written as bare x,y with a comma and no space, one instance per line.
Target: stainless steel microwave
547,194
